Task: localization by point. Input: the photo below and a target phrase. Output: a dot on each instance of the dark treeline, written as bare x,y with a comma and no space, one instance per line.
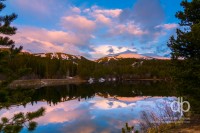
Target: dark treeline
43,67
46,67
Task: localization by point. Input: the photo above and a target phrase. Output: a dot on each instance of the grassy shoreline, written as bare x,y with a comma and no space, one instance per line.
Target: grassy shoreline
191,126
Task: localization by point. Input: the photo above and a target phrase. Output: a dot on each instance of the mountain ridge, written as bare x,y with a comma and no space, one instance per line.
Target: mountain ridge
130,54
118,56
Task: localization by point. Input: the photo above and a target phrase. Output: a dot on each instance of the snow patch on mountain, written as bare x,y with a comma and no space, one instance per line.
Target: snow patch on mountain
130,54
62,56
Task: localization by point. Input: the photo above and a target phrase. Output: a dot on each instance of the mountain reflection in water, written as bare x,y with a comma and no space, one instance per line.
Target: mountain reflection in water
93,108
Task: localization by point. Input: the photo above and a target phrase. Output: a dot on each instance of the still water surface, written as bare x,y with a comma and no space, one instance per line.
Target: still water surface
97,108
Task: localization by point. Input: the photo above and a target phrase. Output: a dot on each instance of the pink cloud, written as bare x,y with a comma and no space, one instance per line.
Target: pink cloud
168,26
54,36
129,28
77,23
102,19
104,50
105,16
67,111
43,40
75,9
110,13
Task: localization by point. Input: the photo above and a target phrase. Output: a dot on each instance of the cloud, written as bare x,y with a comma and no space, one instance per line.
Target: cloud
55,36
103,19
103,16
167,26
146,16
107,12
39,6
73,29
39,13
75,9
78,23
150,14
42,40
73,34
129,28
108,20
103,50
110,13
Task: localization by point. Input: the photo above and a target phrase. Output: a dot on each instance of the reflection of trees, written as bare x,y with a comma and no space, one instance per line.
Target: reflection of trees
15,97
20,120
56,94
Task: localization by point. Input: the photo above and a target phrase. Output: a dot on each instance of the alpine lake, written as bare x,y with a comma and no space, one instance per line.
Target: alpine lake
92,108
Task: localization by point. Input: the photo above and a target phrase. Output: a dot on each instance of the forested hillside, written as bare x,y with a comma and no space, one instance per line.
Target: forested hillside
60,65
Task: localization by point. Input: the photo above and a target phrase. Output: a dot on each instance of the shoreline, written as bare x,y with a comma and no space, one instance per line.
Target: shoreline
143,79
38,83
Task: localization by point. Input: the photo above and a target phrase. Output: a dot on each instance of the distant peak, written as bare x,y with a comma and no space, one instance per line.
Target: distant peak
128,51
131,54
125,52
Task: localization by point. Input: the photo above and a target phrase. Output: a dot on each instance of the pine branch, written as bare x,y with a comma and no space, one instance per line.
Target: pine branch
6,41
19,120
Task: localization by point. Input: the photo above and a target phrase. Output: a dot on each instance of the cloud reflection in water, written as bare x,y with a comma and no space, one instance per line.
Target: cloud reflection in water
92,115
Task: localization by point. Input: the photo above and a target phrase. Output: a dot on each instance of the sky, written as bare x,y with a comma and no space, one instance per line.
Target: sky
94,28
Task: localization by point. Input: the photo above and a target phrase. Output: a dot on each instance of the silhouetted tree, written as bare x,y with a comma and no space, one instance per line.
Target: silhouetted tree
18,121
187,43
186,46
7,30
9,51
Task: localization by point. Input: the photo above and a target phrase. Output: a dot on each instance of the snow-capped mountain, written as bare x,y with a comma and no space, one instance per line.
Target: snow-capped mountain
154,56
130,54
114,57
55,55
62,56
133,55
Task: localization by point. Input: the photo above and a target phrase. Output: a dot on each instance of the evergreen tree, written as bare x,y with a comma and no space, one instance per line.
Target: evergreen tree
7,30
186,45
18,121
